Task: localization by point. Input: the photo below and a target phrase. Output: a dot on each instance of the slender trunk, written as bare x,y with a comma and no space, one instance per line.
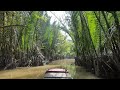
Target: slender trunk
100,36
2,14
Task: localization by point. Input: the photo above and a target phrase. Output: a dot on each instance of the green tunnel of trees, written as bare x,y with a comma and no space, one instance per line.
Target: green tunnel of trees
28,36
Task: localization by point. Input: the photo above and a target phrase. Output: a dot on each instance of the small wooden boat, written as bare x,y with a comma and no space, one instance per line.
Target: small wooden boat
57,73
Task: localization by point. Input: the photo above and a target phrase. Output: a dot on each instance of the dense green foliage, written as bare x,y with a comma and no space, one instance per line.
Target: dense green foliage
27,38
96,36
